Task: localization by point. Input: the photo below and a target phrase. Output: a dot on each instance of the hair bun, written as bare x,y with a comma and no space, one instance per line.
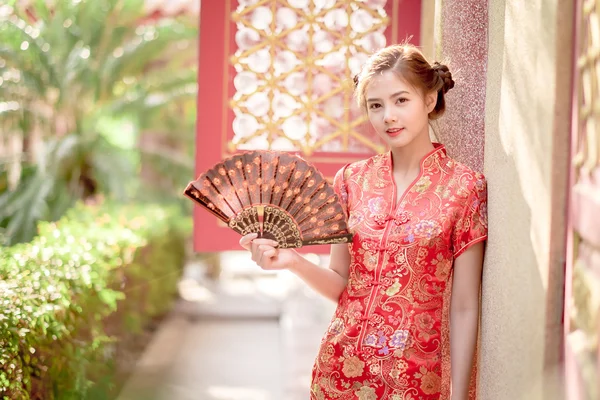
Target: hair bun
445,75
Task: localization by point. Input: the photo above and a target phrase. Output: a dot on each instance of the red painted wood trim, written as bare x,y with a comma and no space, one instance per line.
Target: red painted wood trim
209,105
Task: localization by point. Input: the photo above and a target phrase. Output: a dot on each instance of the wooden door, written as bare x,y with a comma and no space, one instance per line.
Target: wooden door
277,74
582,288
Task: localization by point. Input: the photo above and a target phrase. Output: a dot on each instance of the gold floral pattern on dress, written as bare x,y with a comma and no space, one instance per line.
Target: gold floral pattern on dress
353,367
316,392
393,289
425,323
430,381
374,369
389,336
366,393
442,267
423,184
327,353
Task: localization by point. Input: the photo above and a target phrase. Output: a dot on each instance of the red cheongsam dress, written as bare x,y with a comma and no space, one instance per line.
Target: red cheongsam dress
389,338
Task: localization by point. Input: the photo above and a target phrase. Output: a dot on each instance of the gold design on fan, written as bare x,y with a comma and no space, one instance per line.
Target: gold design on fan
246,222
340,240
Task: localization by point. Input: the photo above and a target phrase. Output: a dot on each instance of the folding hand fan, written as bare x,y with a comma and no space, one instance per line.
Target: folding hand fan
275,194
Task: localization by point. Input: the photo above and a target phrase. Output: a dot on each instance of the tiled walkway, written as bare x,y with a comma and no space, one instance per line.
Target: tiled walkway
254,336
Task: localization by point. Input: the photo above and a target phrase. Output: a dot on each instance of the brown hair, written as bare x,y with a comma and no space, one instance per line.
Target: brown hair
406,61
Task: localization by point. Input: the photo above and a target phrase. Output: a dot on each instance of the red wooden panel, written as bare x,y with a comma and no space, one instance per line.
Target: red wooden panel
215,116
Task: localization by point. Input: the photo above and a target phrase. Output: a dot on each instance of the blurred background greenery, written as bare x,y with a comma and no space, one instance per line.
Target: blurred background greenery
97,126
97,99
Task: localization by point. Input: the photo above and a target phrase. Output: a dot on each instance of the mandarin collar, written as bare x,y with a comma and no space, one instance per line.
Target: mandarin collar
437,153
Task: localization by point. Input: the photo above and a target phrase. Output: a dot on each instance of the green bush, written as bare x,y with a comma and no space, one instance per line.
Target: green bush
72,296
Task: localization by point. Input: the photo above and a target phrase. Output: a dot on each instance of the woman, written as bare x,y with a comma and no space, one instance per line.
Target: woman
407,287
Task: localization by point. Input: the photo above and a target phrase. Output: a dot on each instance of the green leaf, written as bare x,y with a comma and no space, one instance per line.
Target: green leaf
25,207
34,56
110,298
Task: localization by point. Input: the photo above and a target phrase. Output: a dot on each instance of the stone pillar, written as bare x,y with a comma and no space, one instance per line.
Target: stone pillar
463,45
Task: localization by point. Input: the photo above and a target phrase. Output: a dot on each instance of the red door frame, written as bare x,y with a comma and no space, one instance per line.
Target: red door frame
213,129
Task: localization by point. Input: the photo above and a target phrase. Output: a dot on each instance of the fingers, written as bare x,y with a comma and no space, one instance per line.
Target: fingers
270,253
246,240
258,251
259,247
267,242
262,249
262,253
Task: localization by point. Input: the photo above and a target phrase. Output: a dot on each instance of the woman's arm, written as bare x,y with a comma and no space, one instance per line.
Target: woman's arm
464,318
330,282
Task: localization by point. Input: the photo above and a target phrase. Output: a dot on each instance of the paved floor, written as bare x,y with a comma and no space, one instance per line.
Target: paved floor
252,336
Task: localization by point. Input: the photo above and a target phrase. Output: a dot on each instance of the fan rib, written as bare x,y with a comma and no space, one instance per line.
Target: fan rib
291,207
318,207
249,175
193,193
275,174
216,189
279,193
297,208
260,177
312,227
246,179
267,177
282,201
235,191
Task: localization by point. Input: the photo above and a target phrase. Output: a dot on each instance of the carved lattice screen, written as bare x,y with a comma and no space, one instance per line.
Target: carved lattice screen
277,74
294,65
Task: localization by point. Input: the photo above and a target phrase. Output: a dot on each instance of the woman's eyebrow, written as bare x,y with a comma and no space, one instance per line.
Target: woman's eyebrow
391,96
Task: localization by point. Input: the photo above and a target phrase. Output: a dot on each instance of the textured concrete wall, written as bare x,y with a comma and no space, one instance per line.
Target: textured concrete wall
523,132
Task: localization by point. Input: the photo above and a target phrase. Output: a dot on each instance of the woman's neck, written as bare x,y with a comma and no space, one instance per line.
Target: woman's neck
407,159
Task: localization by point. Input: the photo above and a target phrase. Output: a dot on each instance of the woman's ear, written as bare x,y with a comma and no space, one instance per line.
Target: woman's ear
430,101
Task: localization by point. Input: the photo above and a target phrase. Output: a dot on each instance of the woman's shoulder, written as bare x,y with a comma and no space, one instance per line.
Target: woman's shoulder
465,176
364,166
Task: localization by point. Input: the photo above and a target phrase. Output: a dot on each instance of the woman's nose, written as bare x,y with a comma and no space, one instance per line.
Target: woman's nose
389,117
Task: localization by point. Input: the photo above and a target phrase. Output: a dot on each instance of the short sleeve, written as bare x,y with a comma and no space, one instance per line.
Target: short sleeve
472,224
340,188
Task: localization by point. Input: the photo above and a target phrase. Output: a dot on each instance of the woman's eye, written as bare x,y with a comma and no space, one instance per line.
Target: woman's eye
374,106
402,100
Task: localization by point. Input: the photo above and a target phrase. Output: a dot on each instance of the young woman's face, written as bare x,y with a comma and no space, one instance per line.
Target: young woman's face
398,111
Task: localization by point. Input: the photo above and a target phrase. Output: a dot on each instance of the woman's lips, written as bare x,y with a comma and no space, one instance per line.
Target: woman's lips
394,132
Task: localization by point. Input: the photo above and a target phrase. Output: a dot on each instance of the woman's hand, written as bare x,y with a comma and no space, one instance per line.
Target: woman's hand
266,254
330,282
